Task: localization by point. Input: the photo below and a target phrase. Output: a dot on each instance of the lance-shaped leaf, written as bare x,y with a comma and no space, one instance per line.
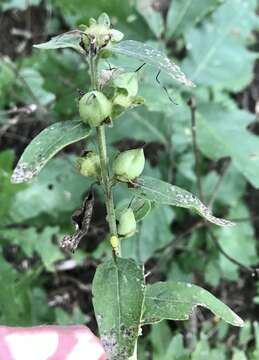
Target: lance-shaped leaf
176,301
164,193
151,56
45,145
118,290
70,39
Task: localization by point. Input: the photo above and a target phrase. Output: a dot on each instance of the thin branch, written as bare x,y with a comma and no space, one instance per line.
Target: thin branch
28,109
219,183
192,105
167,248
252,271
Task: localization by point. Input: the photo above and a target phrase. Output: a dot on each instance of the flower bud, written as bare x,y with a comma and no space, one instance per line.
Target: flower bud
127,224
100,31
94,108
89,165
128,165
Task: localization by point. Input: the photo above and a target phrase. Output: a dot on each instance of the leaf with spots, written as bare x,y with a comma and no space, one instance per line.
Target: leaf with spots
45,145
176,301
118,290
151,56
164,193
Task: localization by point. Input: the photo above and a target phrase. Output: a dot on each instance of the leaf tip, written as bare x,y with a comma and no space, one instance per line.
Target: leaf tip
238,321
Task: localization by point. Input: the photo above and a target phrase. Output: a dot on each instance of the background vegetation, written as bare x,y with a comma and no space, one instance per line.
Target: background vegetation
217,45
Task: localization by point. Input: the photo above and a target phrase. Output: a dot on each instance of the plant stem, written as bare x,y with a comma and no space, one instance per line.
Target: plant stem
216,189
192,105
104,161
106,179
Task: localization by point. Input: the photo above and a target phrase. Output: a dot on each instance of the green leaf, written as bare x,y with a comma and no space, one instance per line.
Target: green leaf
8,191
35,82
7,81
58,189
118,290
160,337
239,242
176,301
221,132
153,234
45,145
167,194
147,127
151,56
152,16
64,318
216,55
16,293
31,241
70,39
184,14
202,350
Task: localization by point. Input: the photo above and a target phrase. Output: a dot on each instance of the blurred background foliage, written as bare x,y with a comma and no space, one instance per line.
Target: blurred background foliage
216,42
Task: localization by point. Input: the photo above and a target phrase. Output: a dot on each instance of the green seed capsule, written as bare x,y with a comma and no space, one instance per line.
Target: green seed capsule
89,165
128,165
94,108
127,224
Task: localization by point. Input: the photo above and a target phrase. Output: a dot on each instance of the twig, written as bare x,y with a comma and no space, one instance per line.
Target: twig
29,109
192,105
77,282
219,183
166,249
253,271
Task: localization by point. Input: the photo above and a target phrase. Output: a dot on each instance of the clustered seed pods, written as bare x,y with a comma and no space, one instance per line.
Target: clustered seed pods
94,108
127,225
128,165
89,165
115,92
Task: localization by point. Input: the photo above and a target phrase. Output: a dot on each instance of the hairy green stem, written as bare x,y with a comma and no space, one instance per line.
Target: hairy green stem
104,161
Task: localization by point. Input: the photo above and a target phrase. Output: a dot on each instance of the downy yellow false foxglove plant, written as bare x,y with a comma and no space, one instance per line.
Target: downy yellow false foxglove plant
123,301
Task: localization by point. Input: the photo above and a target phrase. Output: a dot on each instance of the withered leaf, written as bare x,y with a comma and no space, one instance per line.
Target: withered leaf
81,219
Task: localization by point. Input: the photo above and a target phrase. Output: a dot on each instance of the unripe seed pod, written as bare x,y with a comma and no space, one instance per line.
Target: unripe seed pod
127,224
89,165
94,108
128,165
